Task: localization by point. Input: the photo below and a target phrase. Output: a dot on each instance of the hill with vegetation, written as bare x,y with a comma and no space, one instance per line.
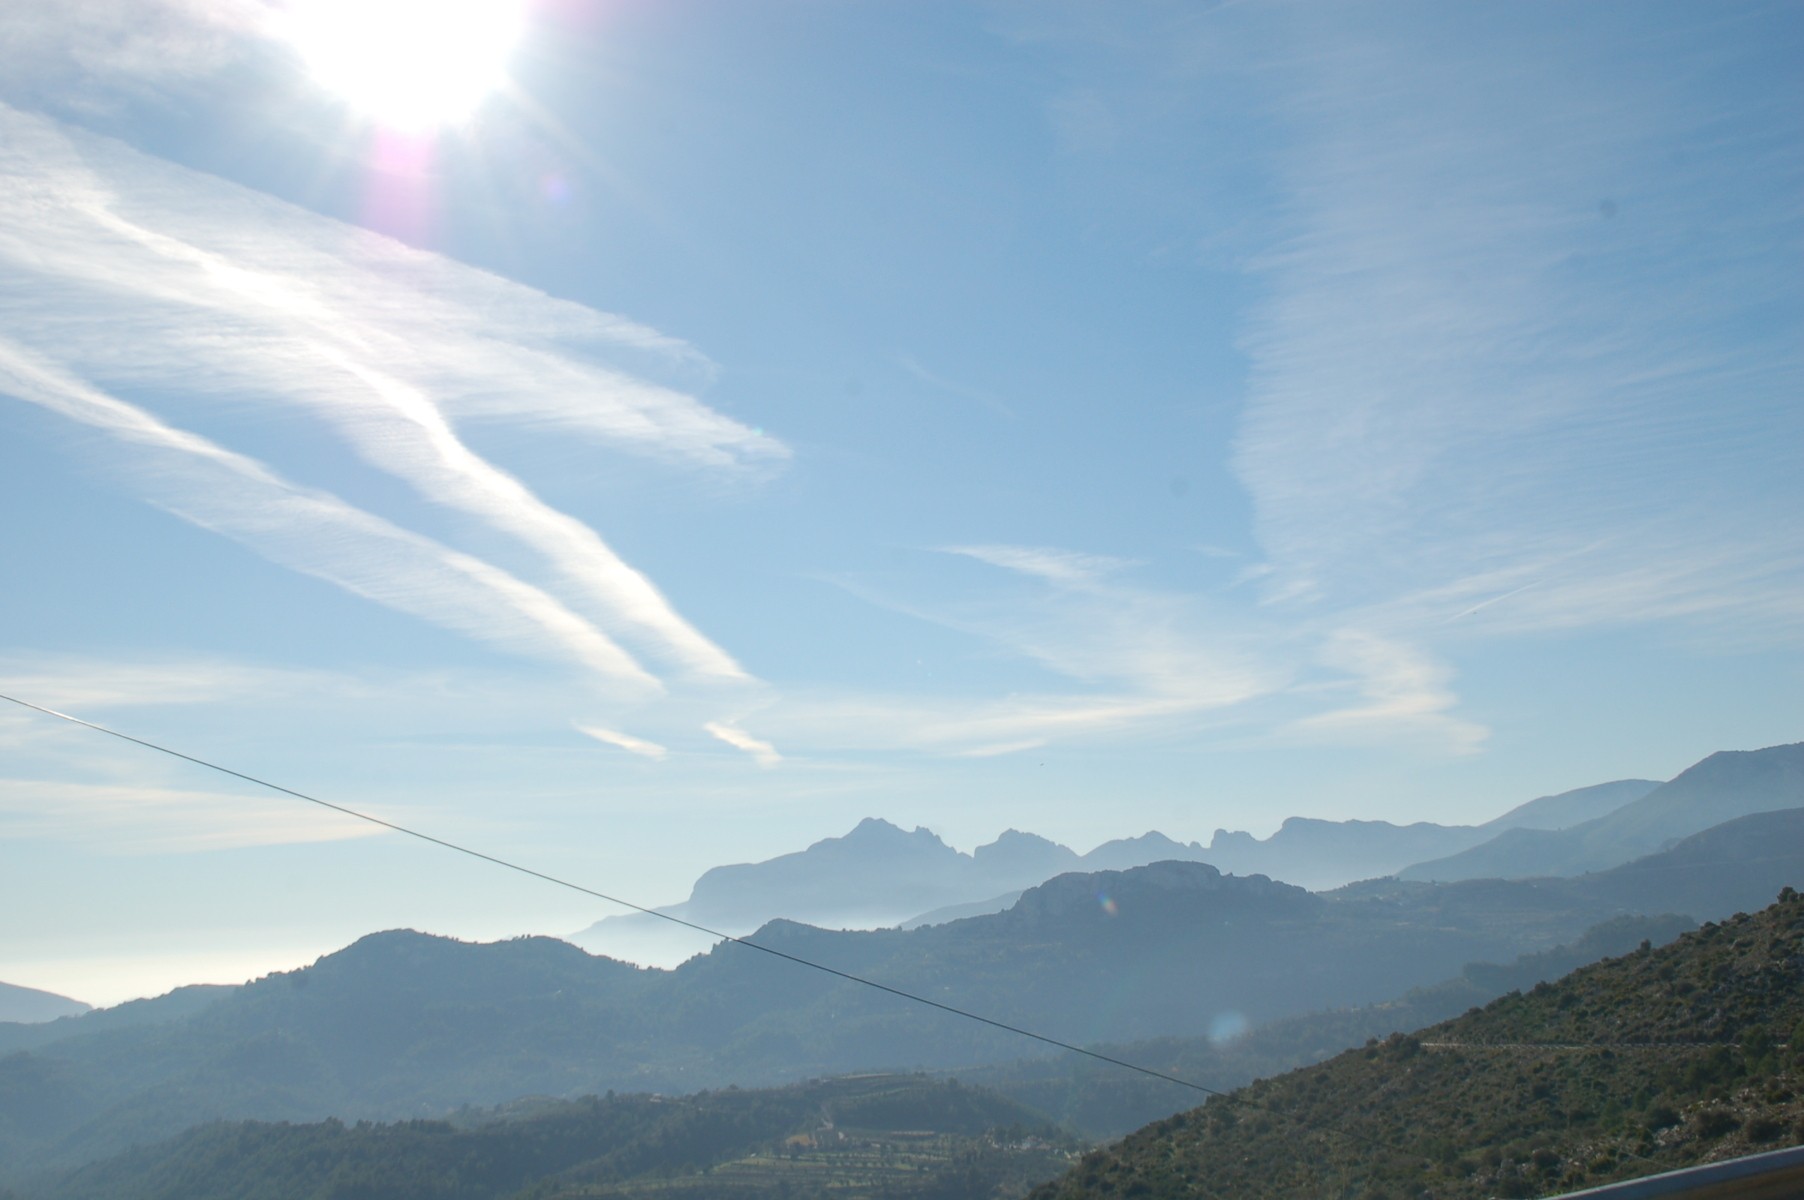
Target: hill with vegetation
402,1024
910,1138
1663,1058
1103,1101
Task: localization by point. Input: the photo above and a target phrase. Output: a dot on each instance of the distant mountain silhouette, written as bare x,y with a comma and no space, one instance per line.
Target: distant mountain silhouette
1718,871
404,1024
1575,807
879,875
1723,786
1124,853
1327,854
29,1005
876,876
182,1002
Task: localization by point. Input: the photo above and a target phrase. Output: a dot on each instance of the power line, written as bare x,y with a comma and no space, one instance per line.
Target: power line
588,891
714,933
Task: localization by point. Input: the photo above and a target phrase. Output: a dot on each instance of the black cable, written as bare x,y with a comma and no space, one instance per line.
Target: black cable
714,933
577,887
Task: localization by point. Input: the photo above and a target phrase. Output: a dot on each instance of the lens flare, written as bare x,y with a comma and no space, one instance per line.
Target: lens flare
1226,1027
555,188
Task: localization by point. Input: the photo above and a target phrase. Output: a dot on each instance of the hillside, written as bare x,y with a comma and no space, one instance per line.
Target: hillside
898,1135
171,1006
783,1141
30,1005
1659,1059
402,1024
1103,1101
1722,787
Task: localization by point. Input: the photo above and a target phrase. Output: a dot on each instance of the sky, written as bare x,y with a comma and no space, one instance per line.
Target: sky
631,436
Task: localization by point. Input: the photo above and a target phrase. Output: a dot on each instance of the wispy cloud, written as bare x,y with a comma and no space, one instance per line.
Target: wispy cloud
1403,695
131,272
1471,360
962,390
78,683
762,752
1055,566
93,53
133,819
625,741
320,535
1124,659
998,749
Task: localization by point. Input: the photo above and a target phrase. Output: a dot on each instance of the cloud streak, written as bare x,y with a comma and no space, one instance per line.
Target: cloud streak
1405,695
1066,567
134,273
134,819
1471,363
625,741
1125,658
319,535
73,48
762,752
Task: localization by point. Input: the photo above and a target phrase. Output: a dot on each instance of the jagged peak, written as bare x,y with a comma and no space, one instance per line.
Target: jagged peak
872,828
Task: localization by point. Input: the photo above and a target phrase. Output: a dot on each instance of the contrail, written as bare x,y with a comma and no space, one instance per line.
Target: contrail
1483,604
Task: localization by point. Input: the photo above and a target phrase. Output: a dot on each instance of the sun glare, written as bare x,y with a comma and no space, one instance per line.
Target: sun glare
410,65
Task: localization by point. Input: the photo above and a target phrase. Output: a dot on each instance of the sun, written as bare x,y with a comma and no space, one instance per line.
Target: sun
409,65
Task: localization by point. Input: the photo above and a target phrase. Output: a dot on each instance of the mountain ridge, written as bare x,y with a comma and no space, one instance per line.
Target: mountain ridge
30,1006
879,875
404,1024
1718,788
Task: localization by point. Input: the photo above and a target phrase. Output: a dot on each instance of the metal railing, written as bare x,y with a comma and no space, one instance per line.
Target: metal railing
1775,1175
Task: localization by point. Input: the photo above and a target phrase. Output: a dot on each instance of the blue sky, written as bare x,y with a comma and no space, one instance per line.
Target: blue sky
746,419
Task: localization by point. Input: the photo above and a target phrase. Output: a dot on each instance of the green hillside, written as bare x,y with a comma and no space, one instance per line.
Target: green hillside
1102,1101
895,1136
1659,1059
403,1025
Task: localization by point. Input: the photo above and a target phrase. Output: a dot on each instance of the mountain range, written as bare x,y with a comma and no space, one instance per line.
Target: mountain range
1723,786
879,875
1597,1077
403,1024
875,876
1139,939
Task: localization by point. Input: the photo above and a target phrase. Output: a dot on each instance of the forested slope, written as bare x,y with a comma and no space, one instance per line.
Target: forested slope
1659,1059
896,1136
